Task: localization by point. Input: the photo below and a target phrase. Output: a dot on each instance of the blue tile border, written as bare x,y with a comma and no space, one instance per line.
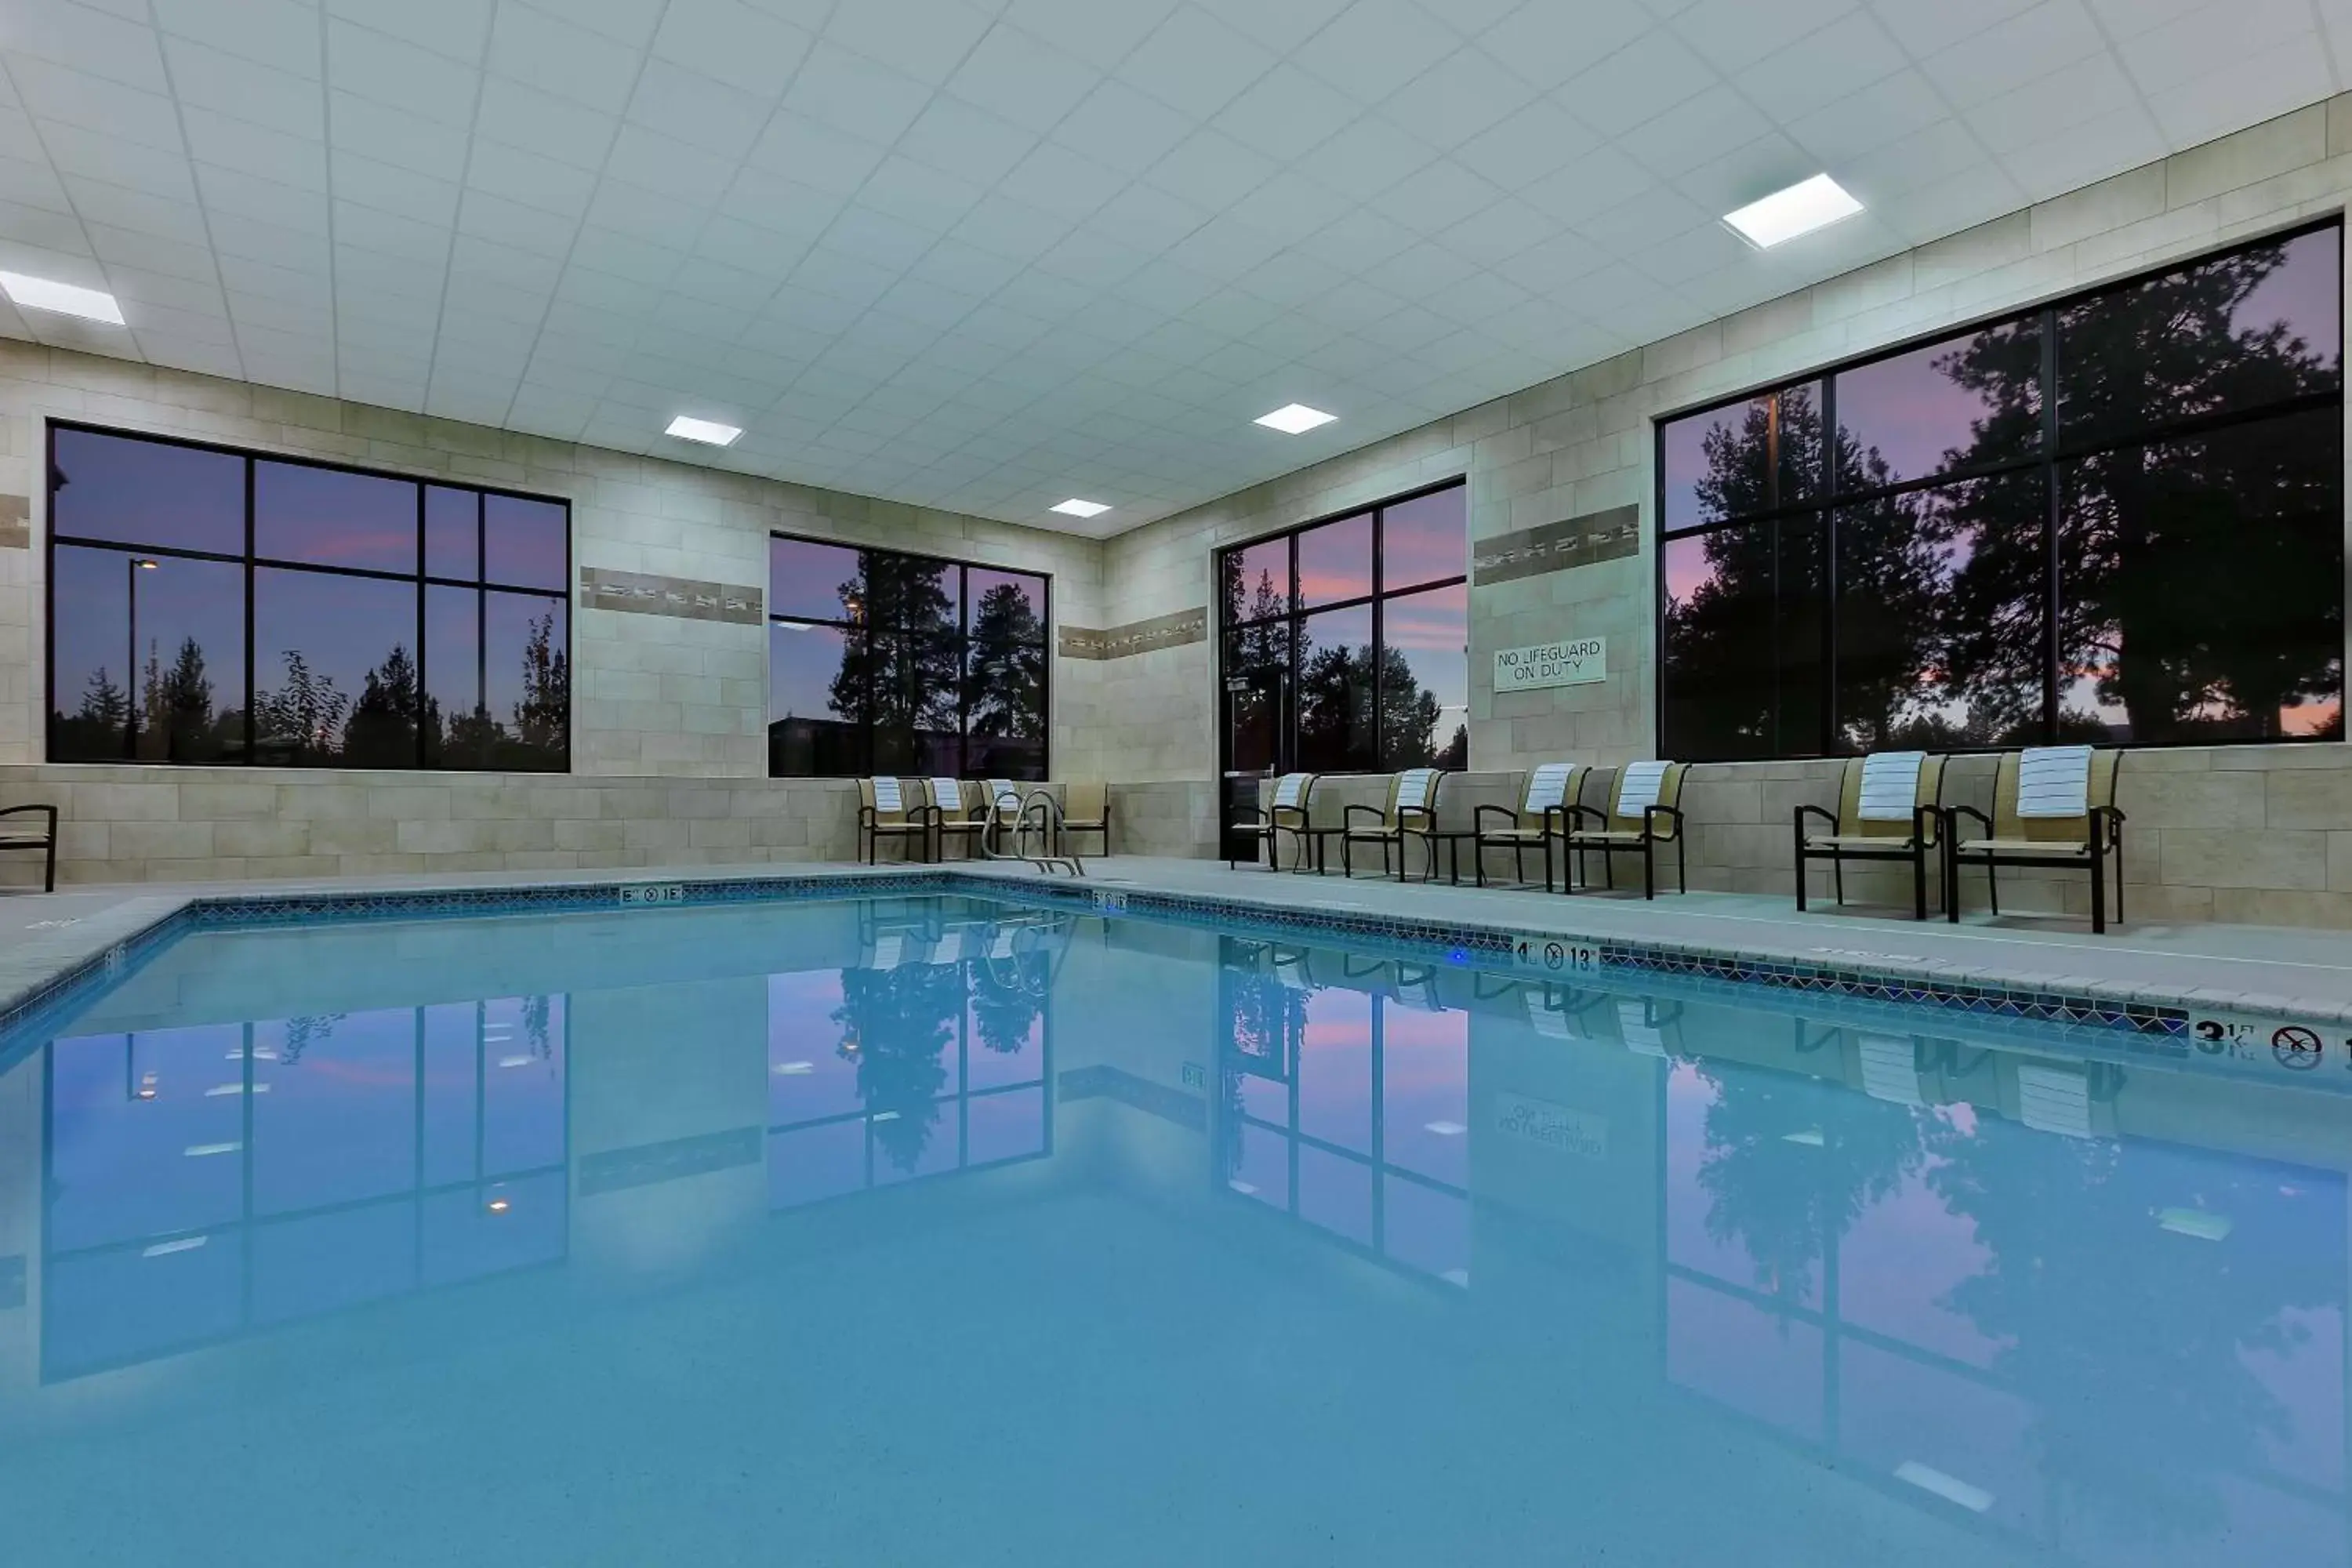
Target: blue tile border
1453,942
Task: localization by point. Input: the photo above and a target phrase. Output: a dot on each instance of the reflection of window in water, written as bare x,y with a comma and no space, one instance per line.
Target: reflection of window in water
209,1180
1345,1101
931,1058
1941,1270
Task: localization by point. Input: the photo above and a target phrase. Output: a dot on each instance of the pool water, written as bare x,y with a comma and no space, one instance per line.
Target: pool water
937,1231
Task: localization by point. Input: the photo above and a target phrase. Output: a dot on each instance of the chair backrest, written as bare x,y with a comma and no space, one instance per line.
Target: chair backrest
1552,785
1415,790
1878,794
950,796
1085,801
1292,794
2048,792
1643,785
1004,796
887,798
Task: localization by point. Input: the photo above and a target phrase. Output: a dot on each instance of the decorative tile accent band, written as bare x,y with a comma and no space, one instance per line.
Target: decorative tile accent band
15,522
1597,536
1136,636
681,596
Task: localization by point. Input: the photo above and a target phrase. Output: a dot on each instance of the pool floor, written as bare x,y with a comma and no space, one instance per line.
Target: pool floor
919,1231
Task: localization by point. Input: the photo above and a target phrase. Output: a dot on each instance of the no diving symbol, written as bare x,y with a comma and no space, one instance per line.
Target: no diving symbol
2296,1046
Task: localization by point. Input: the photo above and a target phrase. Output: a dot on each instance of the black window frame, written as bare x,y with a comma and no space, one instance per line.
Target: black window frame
251,563
1294,614
860,627
2054,456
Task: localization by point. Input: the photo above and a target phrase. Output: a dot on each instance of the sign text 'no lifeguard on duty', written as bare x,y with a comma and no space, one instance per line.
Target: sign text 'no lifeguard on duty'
1579,661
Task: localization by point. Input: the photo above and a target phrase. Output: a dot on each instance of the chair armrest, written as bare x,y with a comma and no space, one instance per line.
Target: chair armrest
1578,814
1808,810
1925,821
1479,815
1952,814
1427,814
2111,819
1552,814
49,811
1348,817
1650,815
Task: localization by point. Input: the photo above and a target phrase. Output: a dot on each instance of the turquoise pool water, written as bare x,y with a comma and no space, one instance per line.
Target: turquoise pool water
937,1231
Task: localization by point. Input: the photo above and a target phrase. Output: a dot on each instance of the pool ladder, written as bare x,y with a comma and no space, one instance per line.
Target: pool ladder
1041,815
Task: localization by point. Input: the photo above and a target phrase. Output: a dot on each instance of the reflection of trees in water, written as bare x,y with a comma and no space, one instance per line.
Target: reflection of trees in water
1007,998
1264,1020
2202,585
2128,1342
1780,1201
903,1022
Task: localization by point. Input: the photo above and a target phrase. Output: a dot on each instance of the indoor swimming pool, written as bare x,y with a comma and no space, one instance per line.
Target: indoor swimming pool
926,1229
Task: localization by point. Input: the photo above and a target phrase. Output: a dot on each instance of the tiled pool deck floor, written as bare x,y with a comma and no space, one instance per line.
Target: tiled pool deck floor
2245,969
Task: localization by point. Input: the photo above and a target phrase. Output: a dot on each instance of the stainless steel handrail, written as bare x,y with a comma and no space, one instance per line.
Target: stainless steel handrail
1038,813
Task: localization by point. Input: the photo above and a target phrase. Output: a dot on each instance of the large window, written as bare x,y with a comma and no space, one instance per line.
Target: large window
1346,643
214,607
883,662
2117,518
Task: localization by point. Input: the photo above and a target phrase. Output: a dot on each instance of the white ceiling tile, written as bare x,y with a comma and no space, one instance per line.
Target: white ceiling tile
1638,83
224,143
2089,150
1456,98
631,22
231,196
152,252
1698,132
624,255
2054,34
1122,127
193,354
510,174
1531,143
1925,27
971,142
541,50
1022,79
1817,71
816,154
1732,35
688,106
1056,180
96,156
851,93
650,161
250,239
1285,113
1279,25
1367,158
1098,34
1195,63
2187,48
457,28
1498,232
393,190
121,207
390,135
30,183
1374,48
2038,111
376,65
927,39
1211,170
917,194
1549,43
208,78
88,40
879,237
280,33
1856,125
2240,92
731,42
59,94
1000,226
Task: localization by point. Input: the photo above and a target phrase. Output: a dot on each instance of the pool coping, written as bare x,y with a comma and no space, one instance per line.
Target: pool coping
98,950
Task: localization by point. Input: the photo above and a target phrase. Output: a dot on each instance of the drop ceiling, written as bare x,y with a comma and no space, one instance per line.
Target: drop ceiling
989,254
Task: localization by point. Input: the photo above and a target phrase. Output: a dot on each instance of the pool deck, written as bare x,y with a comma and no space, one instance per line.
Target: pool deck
2246,969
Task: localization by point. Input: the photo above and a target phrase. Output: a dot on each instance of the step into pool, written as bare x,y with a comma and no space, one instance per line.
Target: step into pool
935,1229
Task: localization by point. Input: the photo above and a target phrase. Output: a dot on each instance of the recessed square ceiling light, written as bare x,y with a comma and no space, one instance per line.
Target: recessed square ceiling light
40,294
707,431
1074,507
1800,209
1294,419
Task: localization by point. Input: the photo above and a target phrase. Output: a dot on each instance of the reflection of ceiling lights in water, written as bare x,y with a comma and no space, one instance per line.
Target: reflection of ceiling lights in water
1951,1489
1448,1128
1810,1136
498,1204
2202,1224
794,1069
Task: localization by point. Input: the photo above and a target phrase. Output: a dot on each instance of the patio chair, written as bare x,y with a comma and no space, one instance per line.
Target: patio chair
1540,818
1646,813
1293,794
2052,807
959,811
1085,808
1411,812
1890,807
27,837
893,808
